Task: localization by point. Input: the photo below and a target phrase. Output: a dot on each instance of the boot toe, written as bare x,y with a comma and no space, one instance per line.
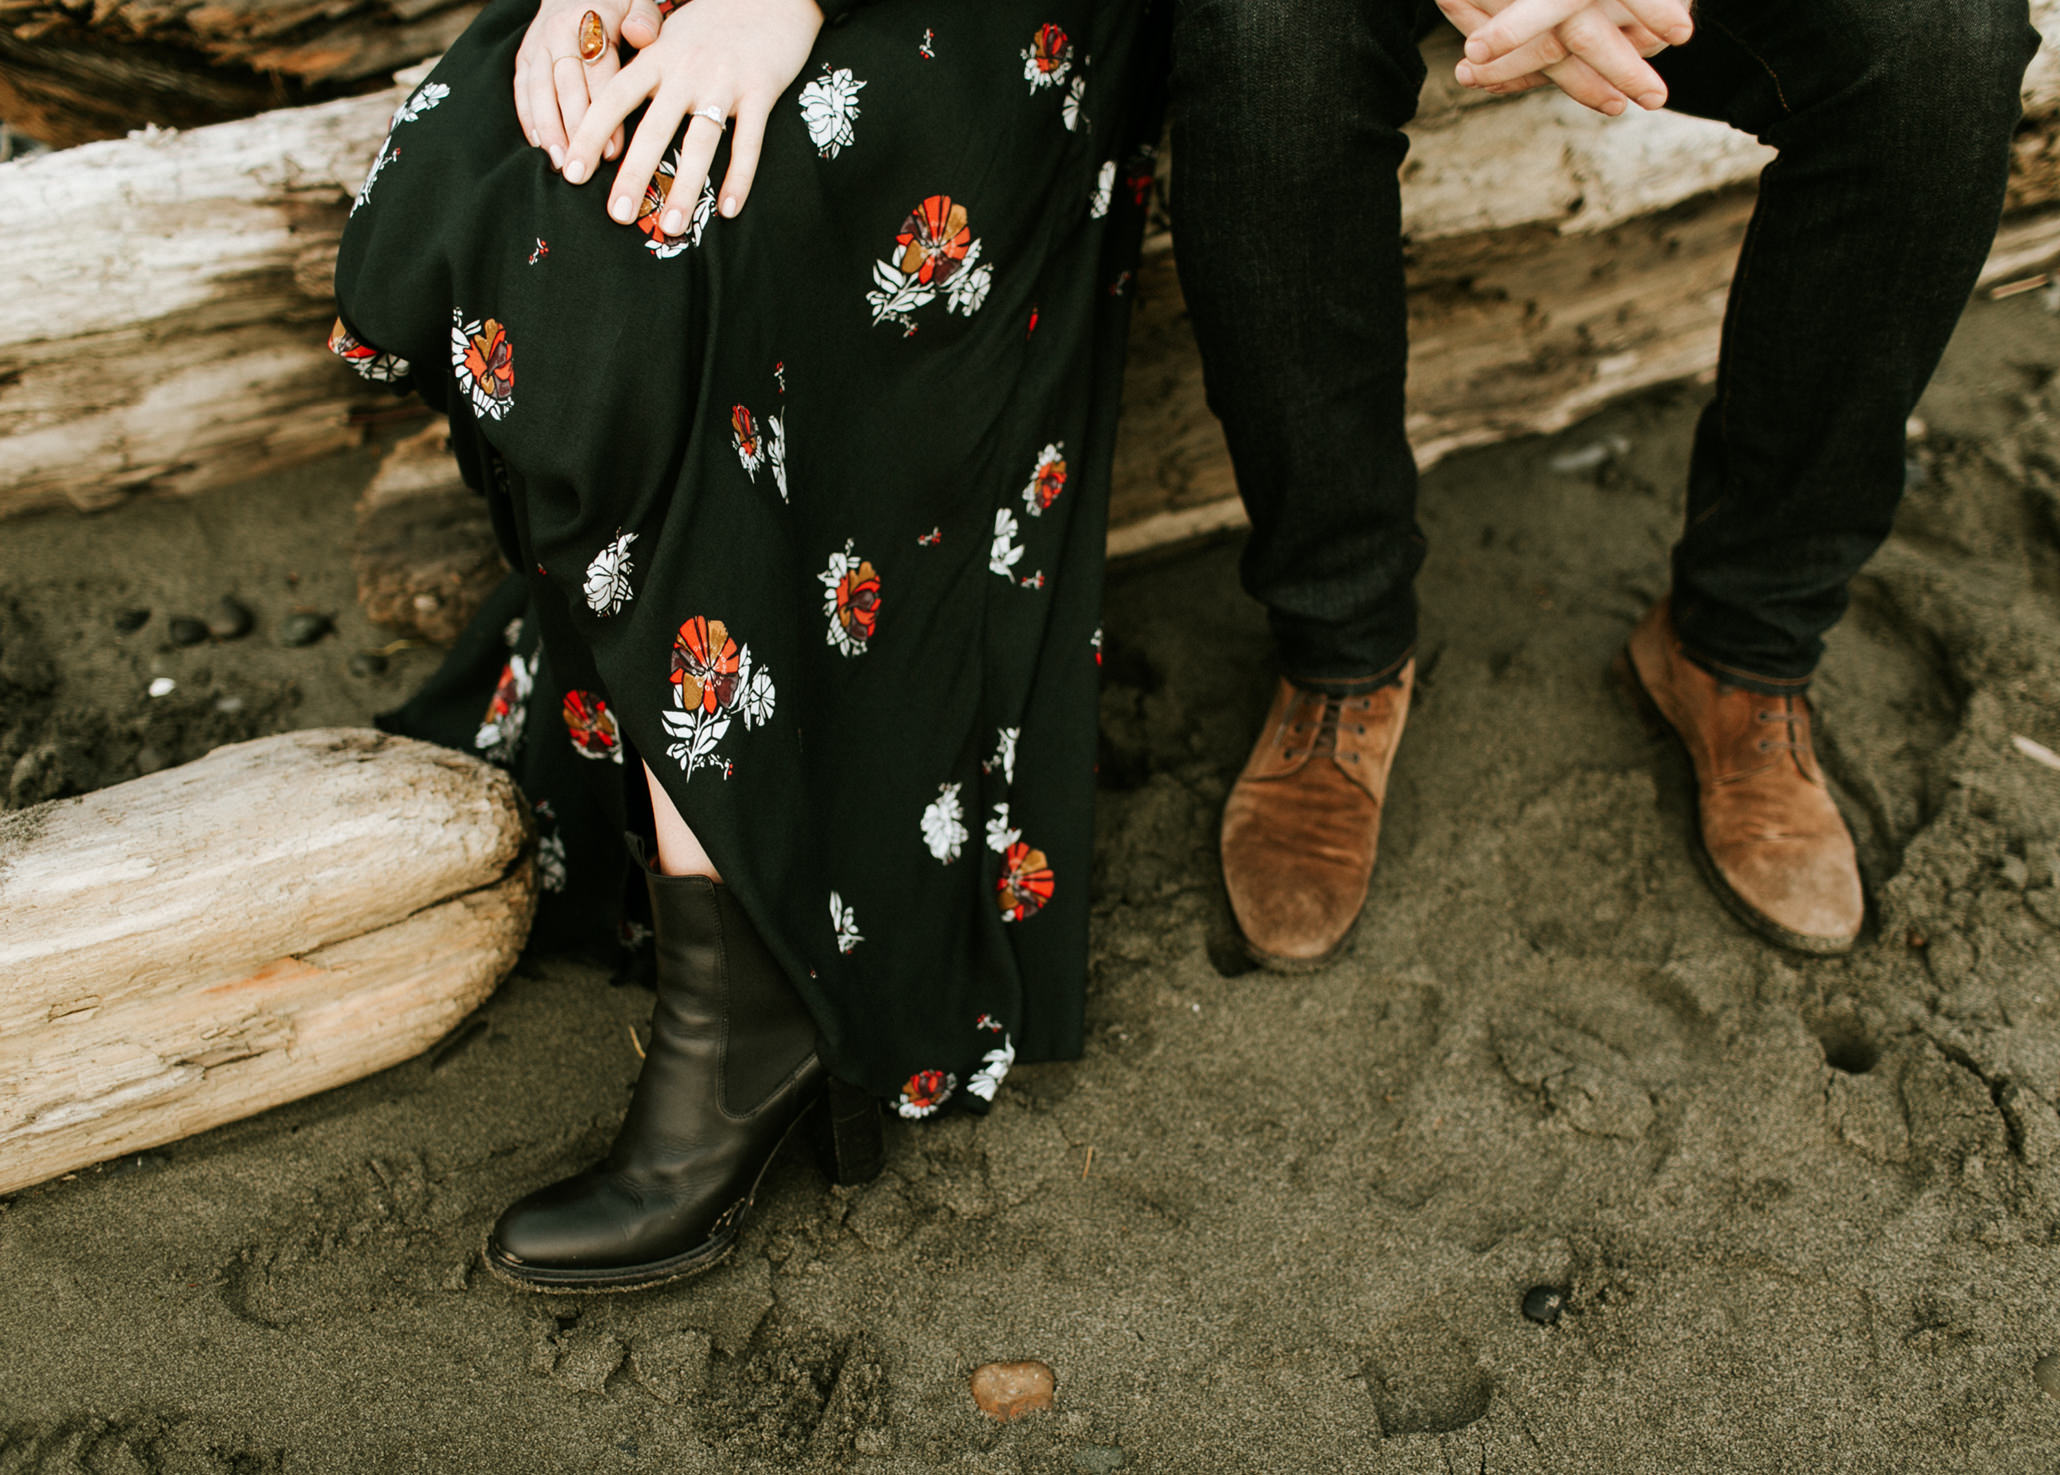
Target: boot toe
1809,893
577,1224
1290,907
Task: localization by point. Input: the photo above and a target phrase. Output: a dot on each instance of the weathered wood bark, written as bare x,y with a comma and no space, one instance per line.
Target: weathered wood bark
184,351
71,73
276,918
424,551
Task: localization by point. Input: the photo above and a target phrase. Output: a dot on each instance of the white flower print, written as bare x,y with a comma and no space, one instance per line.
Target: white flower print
371,363
1004,754
713,685
501,729
1006,552
607,583
482,358
851,599
1047,479
656,197
550,862
993,1066
1104,191
759,700
386,155
944,824
969,289
828,106
844,921
1075,95
420,101
1001,831
776,451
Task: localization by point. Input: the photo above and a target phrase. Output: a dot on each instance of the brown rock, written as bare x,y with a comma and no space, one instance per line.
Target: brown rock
1008,1390
424,551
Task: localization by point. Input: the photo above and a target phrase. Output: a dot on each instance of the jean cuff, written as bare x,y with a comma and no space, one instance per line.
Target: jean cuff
1353,686
1772,686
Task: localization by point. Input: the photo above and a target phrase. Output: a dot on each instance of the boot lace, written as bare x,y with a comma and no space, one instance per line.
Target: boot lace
1790,719
1323,741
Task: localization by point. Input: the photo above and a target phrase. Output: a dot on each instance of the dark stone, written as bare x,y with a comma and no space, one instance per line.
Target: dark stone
368,663
185,630
229,620
304,628
1543,1304
129,621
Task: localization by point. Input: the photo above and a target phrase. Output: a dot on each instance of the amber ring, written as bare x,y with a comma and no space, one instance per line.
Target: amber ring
593,37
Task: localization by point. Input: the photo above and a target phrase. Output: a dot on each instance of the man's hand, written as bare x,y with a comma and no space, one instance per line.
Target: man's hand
553,85
1594,50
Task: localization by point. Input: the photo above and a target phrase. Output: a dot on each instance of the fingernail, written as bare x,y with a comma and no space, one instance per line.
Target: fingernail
672,222
531,137
557,157
576,171
622,209
1613,107
1652,101
609,151
1464,72
729,206
1477,49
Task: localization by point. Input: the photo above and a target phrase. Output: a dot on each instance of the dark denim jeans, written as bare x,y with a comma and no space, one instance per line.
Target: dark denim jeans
1893,121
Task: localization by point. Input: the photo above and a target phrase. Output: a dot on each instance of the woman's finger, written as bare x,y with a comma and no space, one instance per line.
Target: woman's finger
543,111
746,140
646,147
610,104
569,81
697,153
522,96
1587,87
640,25
1533,56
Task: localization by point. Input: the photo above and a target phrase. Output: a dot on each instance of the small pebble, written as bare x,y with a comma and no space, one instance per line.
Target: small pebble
1543,1304
129,621
1008,1390
368,663
228,706
185,630
2046,1373
229,620
149,760
303,629
163,686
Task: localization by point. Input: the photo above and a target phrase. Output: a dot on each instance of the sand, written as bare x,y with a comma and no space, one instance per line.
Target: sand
1804,1214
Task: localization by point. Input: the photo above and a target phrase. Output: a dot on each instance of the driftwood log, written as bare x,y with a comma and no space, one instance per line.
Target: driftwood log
185,350
76,70
277,918
424,552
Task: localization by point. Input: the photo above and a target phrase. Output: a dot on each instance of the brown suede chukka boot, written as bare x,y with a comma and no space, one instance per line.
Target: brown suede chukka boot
1772,842
1302,824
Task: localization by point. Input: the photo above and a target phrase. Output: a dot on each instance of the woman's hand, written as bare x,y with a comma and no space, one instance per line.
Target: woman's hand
714,59
553,86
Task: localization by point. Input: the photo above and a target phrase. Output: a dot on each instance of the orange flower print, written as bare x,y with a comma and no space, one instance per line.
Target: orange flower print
483,361
851,598
934,240
713,685
745,436
380,368
506,712
706,665
651,212
935,250
1048,58
1025,884
924,1092
592,727
1047,479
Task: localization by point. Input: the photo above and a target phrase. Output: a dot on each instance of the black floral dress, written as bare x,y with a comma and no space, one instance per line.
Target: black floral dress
807,506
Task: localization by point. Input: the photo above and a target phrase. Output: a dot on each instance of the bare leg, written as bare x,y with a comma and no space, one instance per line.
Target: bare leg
679,852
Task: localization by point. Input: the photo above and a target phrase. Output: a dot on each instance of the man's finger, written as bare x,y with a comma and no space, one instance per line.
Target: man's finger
1533,56
747,139
1518,26
1587,87
1593,38
1669,21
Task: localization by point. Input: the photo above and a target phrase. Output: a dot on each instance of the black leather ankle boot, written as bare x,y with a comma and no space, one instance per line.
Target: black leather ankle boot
730,1071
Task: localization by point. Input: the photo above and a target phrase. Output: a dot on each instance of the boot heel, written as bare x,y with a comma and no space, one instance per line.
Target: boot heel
850,1141
1633,691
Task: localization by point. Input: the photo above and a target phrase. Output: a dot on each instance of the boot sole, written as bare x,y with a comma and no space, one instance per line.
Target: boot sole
1656,724
557,1280
1276,963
